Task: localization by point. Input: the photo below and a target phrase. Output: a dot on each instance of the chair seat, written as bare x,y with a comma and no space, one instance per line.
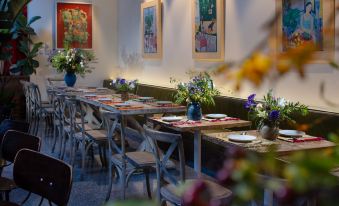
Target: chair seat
6,184
97,134
143,159
218,192
3,203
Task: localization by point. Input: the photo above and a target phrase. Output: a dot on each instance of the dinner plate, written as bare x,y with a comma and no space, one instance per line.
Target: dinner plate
171,119
291,133
105,99
122,105
145,98
216,116
164,102
90,95
241,138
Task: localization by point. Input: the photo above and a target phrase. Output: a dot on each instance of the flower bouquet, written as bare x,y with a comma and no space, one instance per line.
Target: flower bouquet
72,62
268,114
199,90
124,86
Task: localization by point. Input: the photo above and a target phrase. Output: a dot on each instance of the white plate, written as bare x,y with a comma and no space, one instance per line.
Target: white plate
145,98
122,105
171,119
241,138
164,102
291,133
216,116
90,95
105,99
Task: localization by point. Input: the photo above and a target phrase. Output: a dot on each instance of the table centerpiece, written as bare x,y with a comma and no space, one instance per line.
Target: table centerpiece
72,62
199,90
269,113
124,86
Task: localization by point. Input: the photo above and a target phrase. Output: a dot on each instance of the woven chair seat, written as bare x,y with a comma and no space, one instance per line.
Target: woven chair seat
170,191
143,159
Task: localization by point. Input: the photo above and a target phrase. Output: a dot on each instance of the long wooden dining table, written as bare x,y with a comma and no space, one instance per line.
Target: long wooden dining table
110,101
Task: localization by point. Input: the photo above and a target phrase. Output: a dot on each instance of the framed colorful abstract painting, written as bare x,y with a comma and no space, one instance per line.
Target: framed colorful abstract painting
208,29
307,21
74,25
151,29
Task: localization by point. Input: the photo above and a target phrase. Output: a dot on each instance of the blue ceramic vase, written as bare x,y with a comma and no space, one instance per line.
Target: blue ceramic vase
194,111
70,79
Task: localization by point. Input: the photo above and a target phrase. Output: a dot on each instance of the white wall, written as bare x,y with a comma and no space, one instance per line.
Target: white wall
244,19
104,39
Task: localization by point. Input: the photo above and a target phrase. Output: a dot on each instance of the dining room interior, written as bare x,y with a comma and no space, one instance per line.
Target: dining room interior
169,102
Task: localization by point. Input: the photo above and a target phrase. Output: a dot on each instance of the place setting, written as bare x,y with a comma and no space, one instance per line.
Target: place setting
218,118
296,136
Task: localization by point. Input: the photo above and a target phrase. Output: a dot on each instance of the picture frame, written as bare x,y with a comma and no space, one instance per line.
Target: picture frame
151,35
208,30
291,33
73,27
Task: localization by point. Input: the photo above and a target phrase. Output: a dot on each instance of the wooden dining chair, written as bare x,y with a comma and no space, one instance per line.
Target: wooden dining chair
43,175
167,182
12,143
125,163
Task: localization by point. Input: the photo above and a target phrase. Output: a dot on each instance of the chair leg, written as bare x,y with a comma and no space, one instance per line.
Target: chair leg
111,171
148,185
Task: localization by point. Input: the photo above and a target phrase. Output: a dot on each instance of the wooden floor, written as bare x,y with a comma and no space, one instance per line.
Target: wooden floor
92,189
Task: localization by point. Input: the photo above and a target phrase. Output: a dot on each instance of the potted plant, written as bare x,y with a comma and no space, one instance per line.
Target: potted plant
124,87
271,112
72,62
199,90
23,32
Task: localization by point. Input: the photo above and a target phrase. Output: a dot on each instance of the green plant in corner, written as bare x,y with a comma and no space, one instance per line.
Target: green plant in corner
23,31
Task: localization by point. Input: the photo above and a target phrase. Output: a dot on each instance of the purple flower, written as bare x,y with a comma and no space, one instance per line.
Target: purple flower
122,81
274,115
250,102
251,97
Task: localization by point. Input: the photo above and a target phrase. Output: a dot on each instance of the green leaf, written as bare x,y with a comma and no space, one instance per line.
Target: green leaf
33,19
36,48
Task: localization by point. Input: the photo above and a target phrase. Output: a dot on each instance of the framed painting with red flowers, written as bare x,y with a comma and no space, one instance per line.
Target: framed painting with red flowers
73,25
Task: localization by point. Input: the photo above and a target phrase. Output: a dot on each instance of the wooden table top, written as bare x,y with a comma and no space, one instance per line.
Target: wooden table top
262,145
185,125
136,108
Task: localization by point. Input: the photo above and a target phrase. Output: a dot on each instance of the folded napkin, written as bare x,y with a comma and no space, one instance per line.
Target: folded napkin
301,139
221,120
185,122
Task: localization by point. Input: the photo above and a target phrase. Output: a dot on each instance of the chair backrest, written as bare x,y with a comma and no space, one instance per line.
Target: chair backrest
69,111
14,141
175,142
43,175
110,122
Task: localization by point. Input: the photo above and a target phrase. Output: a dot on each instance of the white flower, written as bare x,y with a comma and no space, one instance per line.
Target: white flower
259,106
262,114
281,102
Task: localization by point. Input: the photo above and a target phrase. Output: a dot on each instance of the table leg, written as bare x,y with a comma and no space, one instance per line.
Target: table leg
197,152
268,197
123,153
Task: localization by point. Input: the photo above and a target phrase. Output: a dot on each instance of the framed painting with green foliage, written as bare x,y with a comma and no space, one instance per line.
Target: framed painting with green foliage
73,25
151,38
307,21
208,35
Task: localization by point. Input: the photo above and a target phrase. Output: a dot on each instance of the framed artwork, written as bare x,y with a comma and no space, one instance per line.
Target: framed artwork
208,29
151,37
307,21
74,25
